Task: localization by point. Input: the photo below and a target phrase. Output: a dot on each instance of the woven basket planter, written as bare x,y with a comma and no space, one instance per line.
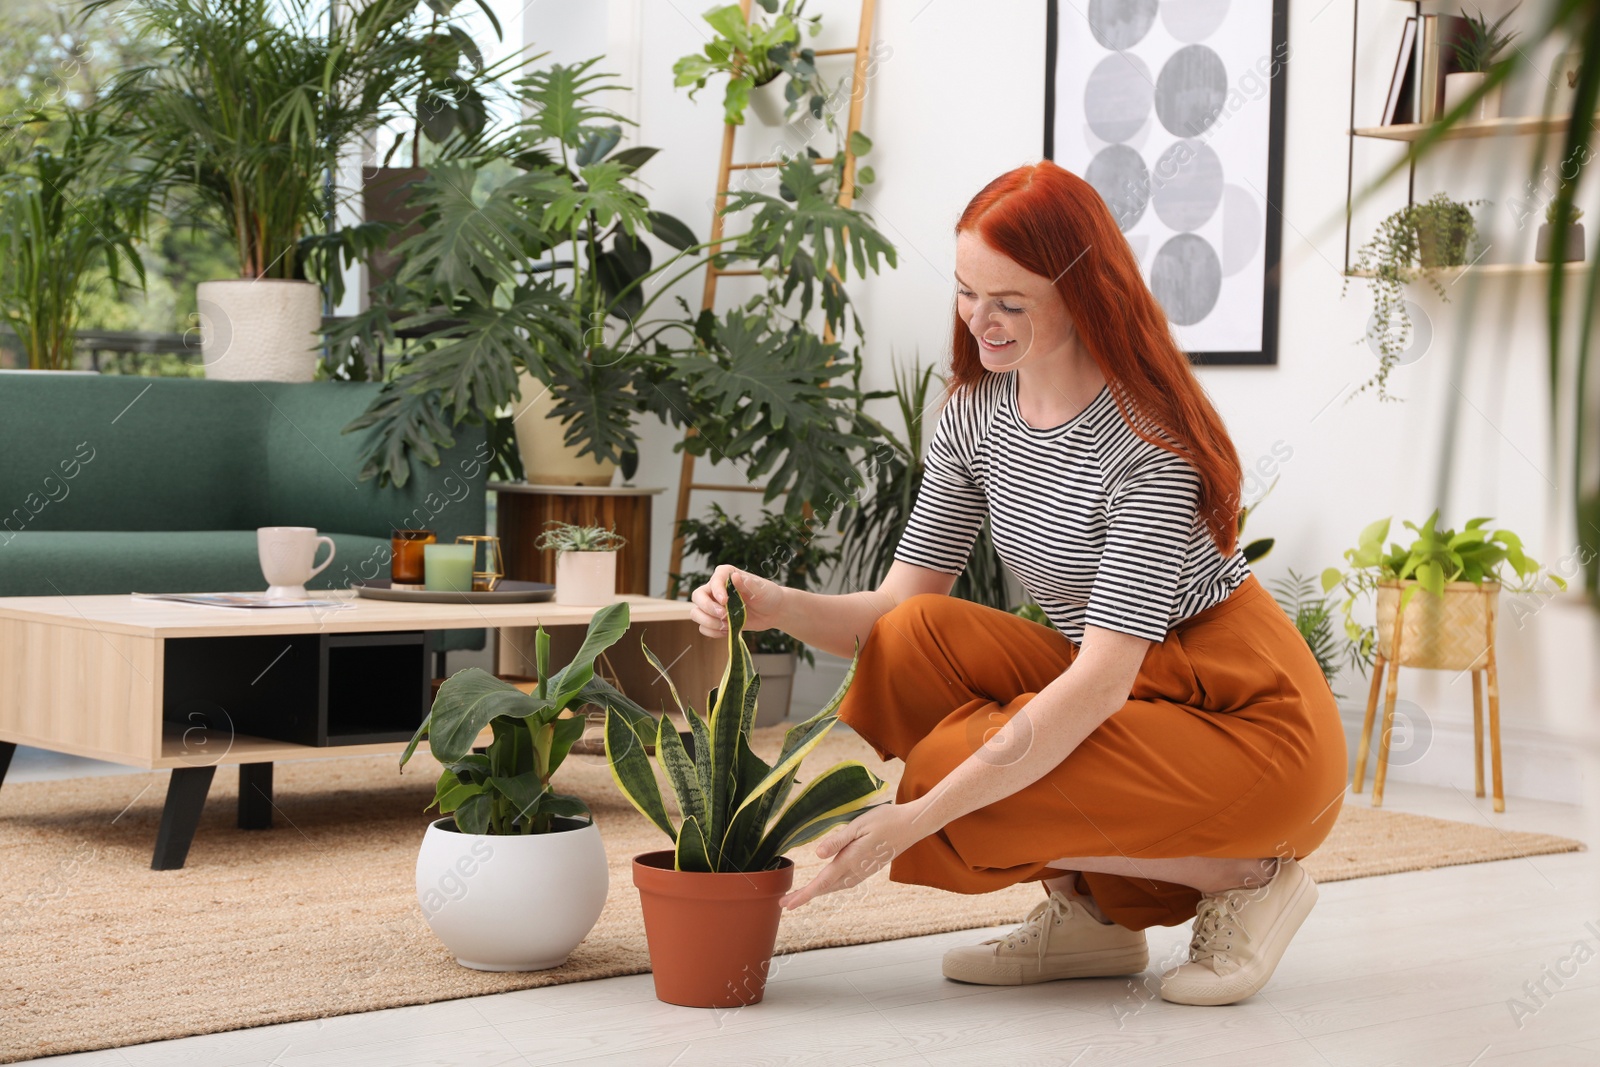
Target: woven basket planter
1452,632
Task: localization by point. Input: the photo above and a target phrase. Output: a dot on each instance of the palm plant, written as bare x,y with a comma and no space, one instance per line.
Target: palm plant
65,211
249,105
728,797
545,270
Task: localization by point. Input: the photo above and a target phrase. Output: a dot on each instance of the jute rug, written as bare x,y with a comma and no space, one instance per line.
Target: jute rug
319,916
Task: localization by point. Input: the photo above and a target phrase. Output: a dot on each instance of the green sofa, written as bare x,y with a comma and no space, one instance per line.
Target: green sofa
116,484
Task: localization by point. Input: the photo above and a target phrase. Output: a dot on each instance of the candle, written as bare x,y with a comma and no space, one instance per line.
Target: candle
447,567
406,563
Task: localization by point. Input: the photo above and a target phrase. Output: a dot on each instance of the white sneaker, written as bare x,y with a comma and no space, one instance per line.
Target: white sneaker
1058,939
1238,938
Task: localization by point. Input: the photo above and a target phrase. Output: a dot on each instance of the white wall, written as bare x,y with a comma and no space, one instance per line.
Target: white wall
958,98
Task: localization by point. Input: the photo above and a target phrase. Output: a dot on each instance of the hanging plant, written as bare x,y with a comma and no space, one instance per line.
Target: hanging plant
1414,242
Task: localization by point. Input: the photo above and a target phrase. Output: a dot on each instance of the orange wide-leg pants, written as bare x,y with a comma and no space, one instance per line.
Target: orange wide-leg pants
1230,745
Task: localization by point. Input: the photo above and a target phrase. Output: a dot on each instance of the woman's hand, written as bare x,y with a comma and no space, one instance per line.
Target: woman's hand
861,847
708,604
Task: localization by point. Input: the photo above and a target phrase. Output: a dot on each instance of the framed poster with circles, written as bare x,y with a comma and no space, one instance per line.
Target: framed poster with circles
1173,110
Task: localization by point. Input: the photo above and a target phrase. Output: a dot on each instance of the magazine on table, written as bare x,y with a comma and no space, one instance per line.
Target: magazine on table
242,600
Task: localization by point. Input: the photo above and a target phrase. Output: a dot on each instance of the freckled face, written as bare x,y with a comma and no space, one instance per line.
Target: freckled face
1012,312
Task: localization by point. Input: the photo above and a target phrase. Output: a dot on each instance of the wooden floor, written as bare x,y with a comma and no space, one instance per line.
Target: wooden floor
1414,969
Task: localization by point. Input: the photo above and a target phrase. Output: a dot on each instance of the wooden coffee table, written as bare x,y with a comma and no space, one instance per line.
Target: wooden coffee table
166,685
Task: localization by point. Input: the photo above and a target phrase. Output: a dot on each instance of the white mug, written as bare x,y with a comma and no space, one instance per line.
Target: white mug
288,559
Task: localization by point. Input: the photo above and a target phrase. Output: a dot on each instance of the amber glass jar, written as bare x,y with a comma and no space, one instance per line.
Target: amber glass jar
405,562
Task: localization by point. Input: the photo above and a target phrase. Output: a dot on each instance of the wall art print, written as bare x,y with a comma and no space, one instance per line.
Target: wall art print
1173,110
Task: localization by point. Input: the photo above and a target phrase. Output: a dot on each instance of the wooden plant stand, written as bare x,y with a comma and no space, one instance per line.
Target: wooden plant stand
1455,632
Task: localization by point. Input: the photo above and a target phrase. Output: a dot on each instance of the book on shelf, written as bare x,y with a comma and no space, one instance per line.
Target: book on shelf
1400,105
1437,41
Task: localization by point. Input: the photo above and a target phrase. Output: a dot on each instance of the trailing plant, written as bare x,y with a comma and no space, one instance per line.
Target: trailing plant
779,548
507,789
731,801
1412,243
871,525
571,537
753,53
1434,557
69,210
546,269
1300,599
1477,48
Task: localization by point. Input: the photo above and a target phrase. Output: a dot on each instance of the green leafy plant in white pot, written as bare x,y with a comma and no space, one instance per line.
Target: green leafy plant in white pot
586,561
710,902
514,875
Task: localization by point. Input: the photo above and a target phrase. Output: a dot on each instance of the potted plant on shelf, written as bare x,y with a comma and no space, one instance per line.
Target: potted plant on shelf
586,561
1544,245
754,55
711,902
1414,242
778,548
1452,626
514,875
1476,51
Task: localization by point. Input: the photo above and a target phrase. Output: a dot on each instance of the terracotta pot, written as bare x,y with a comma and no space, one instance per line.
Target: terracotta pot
710,935
1449,633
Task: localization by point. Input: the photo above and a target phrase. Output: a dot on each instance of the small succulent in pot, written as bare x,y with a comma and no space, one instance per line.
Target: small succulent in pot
574,537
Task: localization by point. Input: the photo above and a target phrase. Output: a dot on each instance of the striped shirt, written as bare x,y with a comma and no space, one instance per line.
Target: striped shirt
1100,526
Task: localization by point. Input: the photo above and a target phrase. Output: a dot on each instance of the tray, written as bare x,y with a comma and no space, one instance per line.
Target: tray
508,592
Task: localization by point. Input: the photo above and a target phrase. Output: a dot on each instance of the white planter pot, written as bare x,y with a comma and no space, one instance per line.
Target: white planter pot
260,329
1459,85
546,457
586,579
777,685
512,903
769,103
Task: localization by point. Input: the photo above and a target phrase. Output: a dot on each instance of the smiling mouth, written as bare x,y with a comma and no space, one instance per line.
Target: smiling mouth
996,346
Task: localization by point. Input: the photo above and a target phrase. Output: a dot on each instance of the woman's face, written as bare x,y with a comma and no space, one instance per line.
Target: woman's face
1013,313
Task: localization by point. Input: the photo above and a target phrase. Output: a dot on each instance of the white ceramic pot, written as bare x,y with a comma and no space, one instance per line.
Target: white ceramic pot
777,685
519,902
260,329
586,579
546,457
1459,85
769,103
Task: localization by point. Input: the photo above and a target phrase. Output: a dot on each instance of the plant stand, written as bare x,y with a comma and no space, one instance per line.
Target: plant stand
1452,633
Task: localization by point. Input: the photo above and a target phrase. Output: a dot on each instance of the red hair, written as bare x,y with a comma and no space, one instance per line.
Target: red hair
1054,224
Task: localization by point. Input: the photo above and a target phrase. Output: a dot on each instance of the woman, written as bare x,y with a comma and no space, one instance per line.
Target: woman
1171,748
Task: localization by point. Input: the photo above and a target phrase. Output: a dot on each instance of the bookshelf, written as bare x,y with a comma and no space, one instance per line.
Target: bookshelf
1411,132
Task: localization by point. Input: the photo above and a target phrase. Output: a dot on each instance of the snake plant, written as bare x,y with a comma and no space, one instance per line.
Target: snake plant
728,797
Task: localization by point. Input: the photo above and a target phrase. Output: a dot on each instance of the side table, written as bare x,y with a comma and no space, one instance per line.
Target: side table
523,508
